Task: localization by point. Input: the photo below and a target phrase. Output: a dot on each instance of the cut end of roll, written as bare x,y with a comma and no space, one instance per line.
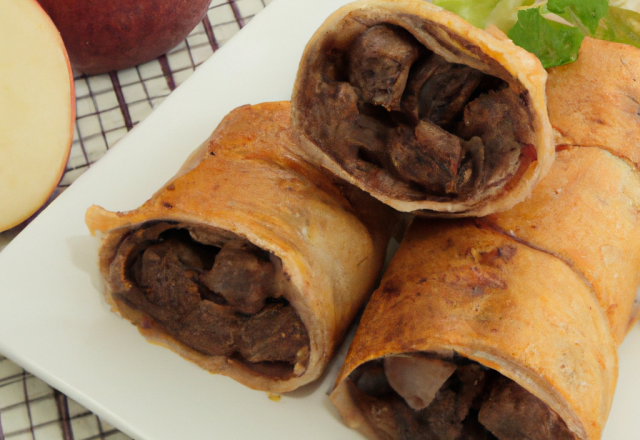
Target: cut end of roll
213,292
421,110
469,402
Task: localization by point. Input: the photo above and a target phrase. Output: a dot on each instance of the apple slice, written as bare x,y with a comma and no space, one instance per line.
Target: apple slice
37,109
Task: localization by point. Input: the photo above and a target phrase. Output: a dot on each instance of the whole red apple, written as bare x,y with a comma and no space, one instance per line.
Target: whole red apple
105,35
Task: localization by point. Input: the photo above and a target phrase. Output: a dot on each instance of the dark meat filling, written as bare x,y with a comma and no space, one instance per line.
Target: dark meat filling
383,57
416,126
219,300
471,402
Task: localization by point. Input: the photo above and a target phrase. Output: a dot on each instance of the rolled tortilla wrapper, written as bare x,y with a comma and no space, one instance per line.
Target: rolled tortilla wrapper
586,213
249,262
422,110
586,210
523,331
595,101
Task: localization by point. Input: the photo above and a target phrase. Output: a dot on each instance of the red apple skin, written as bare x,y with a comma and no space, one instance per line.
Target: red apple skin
105,35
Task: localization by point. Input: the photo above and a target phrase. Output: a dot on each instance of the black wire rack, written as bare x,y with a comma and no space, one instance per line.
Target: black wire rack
107,107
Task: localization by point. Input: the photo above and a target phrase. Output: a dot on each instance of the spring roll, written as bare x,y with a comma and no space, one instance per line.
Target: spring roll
595,101
422,110
512,340
249,262
579,228
586,210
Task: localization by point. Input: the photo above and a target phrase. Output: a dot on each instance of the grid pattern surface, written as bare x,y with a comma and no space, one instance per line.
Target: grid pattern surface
107,107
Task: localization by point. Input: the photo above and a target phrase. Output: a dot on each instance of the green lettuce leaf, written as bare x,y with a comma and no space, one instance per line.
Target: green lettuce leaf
505,13
553,43
474,11
582,13
620,26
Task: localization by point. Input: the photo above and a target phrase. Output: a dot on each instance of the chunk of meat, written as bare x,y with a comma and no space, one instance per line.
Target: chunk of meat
473,430
473,379
428,156
498,119
441,416
379,63
473,173
408,427
168,274
337,119
372,380
449,410
274,334
368,140
210,329
164,276
513,413
241,277
417,378
444,147
497,111
446,91
420,72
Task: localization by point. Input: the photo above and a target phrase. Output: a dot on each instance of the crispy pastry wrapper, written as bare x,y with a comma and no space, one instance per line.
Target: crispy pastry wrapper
586,210
447,36
459,287
248,180
595,101
566,257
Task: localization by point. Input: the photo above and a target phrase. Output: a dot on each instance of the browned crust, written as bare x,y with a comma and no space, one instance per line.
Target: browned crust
455,286
596,100
248,178
586,212
456,40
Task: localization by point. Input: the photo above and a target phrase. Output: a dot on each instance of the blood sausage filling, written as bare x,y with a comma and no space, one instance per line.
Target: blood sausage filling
214,292
419,396
412,125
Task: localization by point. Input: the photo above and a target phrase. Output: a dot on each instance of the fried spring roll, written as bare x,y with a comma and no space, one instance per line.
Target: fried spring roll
250,262
581,273
513,339
586,213
595,101
422,110
586,210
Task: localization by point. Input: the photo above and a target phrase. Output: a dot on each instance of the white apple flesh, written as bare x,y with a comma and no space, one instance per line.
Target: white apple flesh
37,109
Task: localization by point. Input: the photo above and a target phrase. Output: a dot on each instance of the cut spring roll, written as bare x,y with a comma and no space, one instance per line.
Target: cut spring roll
249,262
579,278
595,102
473,335
422,110
586,211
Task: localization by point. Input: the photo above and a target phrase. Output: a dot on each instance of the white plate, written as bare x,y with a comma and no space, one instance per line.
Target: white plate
55,323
